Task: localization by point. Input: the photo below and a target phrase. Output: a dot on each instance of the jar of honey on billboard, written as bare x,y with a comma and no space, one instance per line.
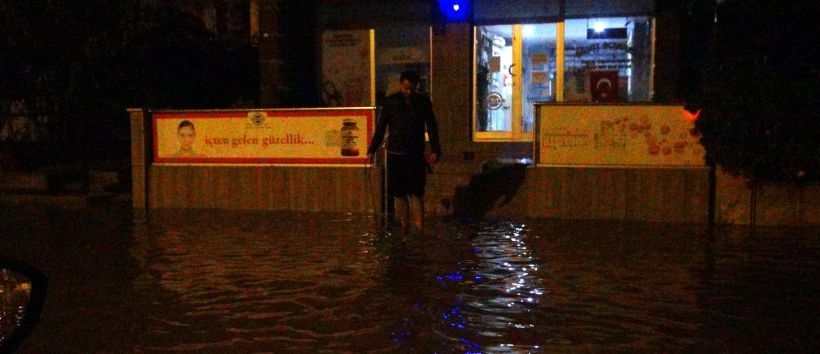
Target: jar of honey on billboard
350,138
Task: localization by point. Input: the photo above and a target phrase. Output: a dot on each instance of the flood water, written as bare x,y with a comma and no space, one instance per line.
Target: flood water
278,282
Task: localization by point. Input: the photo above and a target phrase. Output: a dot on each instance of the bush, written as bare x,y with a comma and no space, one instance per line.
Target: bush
759,100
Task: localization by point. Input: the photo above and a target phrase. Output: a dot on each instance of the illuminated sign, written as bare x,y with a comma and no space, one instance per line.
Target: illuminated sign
617,135
298,136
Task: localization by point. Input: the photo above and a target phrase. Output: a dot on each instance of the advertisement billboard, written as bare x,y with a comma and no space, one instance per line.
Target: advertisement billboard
282,136
617,135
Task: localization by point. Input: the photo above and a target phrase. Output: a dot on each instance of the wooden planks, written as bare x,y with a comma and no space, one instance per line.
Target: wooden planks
667,195
332,189
663,195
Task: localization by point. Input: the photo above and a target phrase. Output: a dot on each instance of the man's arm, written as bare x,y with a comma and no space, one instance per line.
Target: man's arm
432,133
378,136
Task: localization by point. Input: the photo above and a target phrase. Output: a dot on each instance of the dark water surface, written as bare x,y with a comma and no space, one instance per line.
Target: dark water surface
241,282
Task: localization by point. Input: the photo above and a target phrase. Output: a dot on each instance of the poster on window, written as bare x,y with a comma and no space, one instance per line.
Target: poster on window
617,135
298,136
347,68
603,85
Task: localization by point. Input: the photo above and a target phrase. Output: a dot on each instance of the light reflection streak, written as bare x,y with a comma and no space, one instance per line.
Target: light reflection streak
504,271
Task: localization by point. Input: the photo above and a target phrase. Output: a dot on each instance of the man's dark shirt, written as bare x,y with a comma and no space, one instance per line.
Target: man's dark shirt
405,121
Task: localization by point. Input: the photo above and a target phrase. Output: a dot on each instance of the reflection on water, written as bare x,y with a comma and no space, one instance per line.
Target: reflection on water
15,291
221,281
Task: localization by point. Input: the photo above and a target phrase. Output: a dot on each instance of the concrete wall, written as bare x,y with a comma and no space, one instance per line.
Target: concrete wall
774,203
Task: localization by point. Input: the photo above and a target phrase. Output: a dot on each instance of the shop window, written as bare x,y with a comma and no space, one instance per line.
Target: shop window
517,65
361,67
608,60
401,47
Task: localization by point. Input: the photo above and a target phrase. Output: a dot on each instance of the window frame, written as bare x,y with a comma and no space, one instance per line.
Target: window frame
516,134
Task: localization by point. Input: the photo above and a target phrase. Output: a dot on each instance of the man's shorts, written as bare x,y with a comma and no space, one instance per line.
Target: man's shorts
406,175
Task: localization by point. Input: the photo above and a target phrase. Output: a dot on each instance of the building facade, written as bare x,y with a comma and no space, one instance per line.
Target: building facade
487,66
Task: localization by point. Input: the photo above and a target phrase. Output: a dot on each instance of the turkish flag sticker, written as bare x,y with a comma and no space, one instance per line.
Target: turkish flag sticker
604,85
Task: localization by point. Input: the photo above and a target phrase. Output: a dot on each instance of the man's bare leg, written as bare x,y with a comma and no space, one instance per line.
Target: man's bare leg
417,212
402,211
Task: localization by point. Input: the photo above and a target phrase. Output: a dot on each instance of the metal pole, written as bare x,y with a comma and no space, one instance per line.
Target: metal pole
753,205
386,191
712,195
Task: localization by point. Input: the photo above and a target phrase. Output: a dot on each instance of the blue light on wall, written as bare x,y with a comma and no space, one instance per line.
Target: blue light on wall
455,10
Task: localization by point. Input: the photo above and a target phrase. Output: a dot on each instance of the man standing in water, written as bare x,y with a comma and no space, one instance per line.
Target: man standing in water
406,116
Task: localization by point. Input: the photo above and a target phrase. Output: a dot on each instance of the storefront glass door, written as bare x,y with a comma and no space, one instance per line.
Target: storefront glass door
494,78
515,67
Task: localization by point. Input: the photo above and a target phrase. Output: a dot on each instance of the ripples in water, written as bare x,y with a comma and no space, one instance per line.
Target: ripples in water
217,281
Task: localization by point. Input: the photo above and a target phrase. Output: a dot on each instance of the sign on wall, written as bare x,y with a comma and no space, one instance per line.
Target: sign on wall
298,136
348,68
617,135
